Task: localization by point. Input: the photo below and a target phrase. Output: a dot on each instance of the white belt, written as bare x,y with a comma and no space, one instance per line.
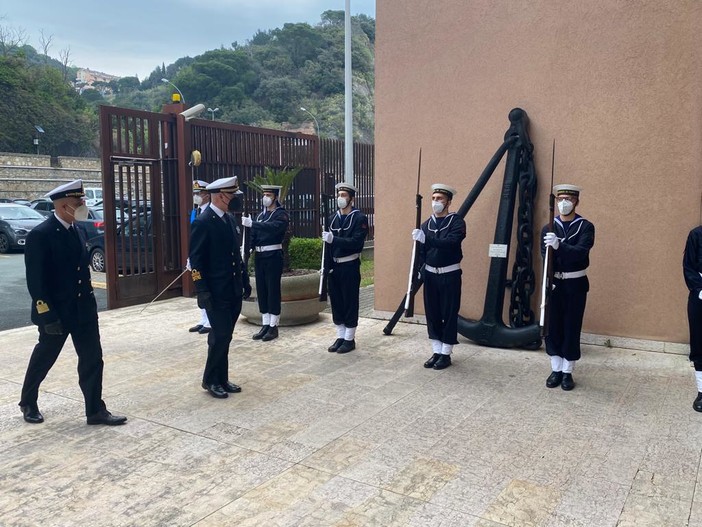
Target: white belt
345,259
574,274
264,248
442,270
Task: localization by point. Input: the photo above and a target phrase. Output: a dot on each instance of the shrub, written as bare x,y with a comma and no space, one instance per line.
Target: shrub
305,253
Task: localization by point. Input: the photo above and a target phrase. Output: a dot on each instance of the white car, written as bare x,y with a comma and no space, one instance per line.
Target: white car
93,195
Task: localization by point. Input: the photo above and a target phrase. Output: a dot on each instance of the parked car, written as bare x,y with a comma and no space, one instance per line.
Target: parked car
15,223
93,195
94,229
134,235
21,201
43,206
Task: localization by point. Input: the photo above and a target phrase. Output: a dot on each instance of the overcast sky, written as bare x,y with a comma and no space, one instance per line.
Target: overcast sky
132,37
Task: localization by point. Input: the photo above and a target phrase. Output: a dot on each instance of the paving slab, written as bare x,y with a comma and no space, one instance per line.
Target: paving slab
369,438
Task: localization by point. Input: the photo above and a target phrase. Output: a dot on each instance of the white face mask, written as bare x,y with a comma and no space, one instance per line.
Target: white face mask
267,200
342,202
437,207
80,213
565,207
197,199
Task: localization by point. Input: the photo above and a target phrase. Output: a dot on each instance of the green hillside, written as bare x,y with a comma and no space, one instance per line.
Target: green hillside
262,82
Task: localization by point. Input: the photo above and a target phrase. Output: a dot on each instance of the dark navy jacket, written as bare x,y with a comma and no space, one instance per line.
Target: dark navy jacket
350,231
443,238
692,261
215,258
269,229
577,238
58,275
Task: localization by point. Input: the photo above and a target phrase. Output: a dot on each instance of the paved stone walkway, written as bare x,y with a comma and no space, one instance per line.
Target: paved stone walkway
370,438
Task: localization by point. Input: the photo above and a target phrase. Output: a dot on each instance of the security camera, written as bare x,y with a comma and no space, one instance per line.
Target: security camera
193,112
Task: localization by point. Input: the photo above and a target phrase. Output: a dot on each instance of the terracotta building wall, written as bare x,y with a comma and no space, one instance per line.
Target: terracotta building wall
618,84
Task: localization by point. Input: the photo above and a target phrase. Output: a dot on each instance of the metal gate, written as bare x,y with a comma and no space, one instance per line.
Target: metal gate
143,227
147,188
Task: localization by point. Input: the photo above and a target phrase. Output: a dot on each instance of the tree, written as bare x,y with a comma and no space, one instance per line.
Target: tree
11,39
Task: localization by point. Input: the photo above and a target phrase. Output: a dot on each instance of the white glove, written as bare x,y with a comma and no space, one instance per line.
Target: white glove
418,235
327,236
187,265
246,221
551,240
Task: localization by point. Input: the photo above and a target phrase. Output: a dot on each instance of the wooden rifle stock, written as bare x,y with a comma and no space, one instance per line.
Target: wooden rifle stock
414,265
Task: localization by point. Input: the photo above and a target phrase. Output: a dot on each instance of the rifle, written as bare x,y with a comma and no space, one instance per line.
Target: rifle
414,265
325,266
548,260
246,235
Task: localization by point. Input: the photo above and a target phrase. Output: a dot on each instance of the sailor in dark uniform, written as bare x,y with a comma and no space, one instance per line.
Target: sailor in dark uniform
63,303
692,270
348,228
572,240
440,239
201,200
267,233
221,281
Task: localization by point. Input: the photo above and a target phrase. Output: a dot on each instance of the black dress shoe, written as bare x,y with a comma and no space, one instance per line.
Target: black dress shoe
554,379
335,347
32,414
432,360
697,405
203,330
443,362
271,334
567,383
261,332
230,387
216,390
347,346
103,417
195,329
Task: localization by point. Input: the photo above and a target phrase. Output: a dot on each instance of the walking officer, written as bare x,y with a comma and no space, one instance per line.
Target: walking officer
572,240
348,228
221,281
692,270
63,303
267,233
440,239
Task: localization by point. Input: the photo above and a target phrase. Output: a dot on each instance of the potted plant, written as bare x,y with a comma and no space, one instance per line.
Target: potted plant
299,287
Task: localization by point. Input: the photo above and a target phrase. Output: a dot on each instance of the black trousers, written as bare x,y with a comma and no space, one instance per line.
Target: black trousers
694,317
268,272
86,339
222,320
565,317
442,300
344,286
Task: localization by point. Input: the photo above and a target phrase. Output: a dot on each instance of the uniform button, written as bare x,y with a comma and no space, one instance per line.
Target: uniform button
80,281
78,269
78,294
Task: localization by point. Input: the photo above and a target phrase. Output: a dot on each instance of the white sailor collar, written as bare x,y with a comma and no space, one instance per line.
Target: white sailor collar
445,225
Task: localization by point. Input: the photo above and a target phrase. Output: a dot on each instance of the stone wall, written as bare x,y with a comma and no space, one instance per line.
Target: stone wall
31,176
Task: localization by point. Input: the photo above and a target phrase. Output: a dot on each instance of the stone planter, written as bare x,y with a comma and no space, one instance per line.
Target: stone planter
300,300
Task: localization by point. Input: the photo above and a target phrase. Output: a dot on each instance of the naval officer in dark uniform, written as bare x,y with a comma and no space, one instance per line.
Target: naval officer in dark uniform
348,228
692,270
440,239
221,281
267,233
63,303
572,239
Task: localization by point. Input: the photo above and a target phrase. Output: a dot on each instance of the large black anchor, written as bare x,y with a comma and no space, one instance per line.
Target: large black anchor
490,330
